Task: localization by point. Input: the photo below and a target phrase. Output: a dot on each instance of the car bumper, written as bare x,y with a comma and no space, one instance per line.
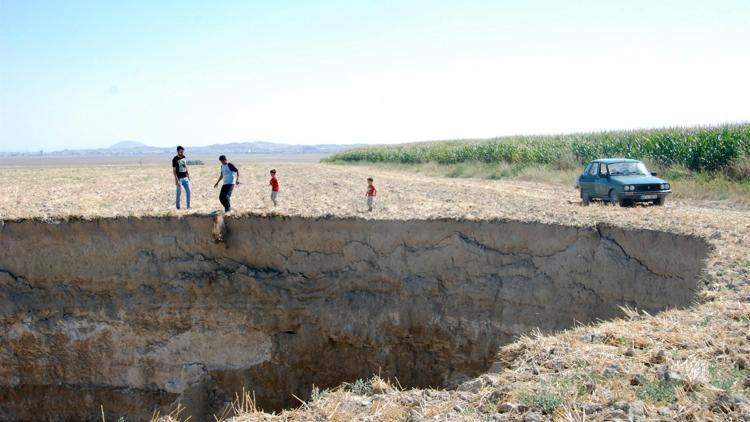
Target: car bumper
644,196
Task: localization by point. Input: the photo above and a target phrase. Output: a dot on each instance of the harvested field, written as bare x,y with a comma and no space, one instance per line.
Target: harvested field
679,364
319,190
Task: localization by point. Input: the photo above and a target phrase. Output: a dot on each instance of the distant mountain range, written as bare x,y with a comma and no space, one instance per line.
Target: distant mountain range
258,147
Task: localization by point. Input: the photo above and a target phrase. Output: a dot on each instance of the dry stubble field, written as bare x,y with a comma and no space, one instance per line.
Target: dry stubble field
706,347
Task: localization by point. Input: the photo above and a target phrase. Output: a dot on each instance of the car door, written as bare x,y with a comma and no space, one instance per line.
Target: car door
601,185
586,180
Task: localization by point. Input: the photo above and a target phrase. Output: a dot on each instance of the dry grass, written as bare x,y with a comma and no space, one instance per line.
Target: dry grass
586,373
627,359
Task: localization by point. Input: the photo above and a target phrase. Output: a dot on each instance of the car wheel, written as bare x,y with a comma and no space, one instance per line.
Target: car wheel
614,198
660,201
585,199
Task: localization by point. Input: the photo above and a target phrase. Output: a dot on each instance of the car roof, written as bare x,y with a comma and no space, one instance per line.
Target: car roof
615,160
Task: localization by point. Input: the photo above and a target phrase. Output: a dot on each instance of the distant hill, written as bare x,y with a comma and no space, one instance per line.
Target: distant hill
256,147
271,148
128,144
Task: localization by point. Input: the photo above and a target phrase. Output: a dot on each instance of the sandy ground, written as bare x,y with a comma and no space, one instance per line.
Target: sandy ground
318,190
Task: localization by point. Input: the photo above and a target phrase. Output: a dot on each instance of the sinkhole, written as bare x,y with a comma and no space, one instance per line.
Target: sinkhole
138,314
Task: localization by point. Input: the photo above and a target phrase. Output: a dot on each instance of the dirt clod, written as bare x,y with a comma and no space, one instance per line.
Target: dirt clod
741,363
613,371
658,357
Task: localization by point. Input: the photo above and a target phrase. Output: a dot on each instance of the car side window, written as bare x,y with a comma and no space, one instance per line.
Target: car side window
594,169
588,168
603,170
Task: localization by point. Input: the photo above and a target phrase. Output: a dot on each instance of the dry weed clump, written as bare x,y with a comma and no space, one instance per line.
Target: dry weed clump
371,400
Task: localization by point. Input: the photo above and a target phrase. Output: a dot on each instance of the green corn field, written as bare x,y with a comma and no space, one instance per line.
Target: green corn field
707,148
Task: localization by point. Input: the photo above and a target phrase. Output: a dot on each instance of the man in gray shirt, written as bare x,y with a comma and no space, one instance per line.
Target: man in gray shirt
231,176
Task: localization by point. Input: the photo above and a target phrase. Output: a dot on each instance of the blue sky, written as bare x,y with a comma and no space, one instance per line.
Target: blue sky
83,74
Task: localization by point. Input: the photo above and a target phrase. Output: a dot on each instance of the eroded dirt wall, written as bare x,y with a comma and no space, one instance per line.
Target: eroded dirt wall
136,314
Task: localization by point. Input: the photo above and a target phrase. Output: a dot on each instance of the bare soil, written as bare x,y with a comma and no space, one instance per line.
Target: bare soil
318,190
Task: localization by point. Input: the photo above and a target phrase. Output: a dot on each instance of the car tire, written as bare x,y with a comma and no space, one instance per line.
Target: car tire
660,201
585,199
614,198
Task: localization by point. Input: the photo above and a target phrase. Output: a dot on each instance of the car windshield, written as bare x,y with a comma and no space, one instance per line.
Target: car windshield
628,169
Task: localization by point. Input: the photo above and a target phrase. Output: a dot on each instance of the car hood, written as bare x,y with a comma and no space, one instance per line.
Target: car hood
636,180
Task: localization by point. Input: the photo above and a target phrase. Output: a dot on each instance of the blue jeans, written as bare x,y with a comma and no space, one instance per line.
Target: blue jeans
185,182
225,195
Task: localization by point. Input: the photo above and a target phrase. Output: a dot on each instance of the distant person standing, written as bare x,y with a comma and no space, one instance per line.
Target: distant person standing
371,192
181,175
274,186
231,177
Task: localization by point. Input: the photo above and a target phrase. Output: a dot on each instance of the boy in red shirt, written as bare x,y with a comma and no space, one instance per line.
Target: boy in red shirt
274,186
371,192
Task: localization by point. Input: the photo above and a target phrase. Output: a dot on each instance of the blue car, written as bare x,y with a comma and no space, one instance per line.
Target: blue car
621,181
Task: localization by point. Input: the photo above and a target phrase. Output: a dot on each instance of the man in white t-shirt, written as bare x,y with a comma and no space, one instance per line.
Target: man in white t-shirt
231,177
